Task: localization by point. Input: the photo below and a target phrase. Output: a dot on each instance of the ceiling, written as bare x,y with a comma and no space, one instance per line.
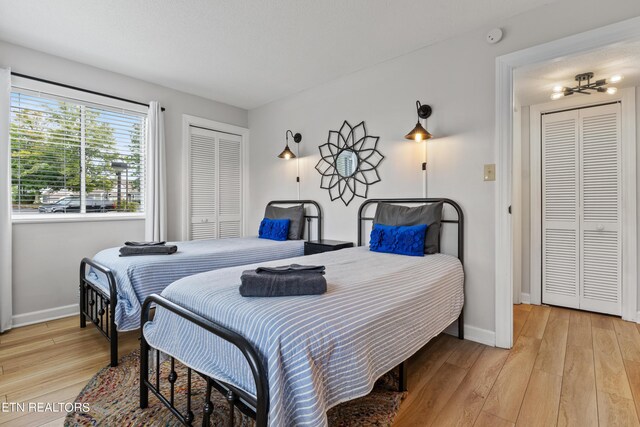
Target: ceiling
534,84
242,52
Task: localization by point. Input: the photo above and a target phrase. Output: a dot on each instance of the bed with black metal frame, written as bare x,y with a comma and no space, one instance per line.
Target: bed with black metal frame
256,407
99,308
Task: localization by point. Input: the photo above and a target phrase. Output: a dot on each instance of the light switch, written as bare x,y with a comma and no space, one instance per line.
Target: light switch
490,172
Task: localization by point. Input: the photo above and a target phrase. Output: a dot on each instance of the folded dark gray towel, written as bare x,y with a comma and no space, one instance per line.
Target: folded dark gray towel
148,250
292,268
254,284
144,243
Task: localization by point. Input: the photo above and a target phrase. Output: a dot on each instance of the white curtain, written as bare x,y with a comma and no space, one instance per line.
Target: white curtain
156,192
6,309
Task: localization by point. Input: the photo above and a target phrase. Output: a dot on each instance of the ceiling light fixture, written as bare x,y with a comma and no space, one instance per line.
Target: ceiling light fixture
585,86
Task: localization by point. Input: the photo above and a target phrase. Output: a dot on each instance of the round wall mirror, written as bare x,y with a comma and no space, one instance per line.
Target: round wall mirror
346,163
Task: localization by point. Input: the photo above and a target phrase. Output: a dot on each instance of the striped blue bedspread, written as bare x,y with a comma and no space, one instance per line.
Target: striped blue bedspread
139,276
320,350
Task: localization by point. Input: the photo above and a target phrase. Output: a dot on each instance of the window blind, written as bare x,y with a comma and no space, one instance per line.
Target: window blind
73,157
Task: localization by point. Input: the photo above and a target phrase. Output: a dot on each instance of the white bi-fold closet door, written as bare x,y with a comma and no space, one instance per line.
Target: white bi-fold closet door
581,209
215,184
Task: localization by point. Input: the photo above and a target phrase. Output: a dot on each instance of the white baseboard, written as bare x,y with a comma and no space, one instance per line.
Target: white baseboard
44,315
525,298
471,333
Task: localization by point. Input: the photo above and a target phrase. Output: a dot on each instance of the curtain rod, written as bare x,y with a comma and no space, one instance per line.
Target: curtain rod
93,92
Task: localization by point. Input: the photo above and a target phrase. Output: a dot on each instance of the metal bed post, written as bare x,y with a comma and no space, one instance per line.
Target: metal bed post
83,299
402,376
112,322
144,366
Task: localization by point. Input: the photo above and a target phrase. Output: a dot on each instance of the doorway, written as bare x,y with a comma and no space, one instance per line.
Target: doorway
506,248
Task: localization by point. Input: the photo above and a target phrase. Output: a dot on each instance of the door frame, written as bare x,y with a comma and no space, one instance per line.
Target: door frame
627,97
188,121
505,66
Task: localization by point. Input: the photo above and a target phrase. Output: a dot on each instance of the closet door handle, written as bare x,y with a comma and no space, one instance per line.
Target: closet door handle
600,227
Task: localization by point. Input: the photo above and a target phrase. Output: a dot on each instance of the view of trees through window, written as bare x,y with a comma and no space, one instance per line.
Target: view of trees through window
68,157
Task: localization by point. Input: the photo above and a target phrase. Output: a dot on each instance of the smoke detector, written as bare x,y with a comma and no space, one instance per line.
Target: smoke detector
494,36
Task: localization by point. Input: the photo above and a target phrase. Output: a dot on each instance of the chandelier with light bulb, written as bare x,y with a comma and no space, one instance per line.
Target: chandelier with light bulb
585,86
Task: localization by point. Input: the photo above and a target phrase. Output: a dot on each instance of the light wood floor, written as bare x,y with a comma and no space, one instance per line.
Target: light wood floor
51,362
566,368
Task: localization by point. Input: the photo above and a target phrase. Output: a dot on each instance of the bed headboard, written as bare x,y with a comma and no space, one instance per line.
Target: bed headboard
459,220
308,217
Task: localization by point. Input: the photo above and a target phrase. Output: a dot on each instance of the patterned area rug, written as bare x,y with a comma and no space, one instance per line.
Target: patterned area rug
113,396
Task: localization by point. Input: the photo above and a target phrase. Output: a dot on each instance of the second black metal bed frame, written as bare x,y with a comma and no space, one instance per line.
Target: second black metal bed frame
256,407
100,308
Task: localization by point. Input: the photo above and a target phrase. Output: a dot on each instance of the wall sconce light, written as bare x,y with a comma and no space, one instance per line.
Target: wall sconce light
419,133
288,154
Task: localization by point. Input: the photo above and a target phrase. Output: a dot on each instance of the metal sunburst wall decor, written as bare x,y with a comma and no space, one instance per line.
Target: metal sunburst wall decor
348,162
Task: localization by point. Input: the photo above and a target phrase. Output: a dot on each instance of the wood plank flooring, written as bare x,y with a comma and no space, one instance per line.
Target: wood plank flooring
51,362
567,368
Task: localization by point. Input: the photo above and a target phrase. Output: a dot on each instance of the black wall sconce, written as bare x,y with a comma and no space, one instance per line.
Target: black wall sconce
288,154
419,133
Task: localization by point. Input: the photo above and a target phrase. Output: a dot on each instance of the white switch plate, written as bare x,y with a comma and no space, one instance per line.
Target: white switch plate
490,172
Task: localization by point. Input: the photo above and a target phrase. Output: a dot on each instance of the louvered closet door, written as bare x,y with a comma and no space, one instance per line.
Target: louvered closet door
600,198
560,209
230,186
215,186
202,184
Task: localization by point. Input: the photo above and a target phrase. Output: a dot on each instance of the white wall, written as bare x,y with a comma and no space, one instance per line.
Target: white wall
456,77
46,257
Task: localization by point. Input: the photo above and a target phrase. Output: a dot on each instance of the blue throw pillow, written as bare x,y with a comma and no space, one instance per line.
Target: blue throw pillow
398,239
274,229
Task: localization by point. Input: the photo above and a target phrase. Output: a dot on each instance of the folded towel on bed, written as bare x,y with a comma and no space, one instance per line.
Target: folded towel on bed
148,250
292,268
267,284
144,243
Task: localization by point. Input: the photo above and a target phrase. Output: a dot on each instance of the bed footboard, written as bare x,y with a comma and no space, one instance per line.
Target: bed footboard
98,307
256,407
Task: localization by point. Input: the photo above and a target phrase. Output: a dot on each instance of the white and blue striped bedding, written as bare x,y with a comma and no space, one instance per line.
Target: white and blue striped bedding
320,350
139,276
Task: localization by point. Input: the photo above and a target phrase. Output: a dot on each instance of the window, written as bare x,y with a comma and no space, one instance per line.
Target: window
68,156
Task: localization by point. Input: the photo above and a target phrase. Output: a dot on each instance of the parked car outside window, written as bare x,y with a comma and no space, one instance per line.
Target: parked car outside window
71,204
